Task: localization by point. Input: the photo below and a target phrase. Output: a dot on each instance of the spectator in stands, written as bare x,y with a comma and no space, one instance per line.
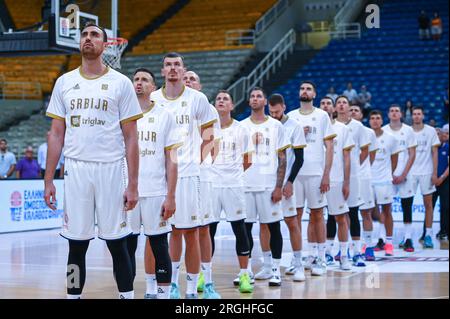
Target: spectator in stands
424,26
7,160
445,99
28,167
432,123
442,184
407,112
436,27
42,160
351,94
364,99
332,93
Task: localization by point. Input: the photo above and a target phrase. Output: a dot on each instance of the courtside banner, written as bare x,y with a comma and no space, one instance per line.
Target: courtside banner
22,206
418,209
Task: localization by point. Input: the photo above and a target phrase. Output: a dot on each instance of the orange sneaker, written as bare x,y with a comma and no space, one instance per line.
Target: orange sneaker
389,249
363,249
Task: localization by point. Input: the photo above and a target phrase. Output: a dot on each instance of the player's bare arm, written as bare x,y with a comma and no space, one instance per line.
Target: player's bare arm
207,146
281,171
55,145
247,161
347,168
129,130
411,158
169,206
325,184
434,177
394,162
372,156
364,154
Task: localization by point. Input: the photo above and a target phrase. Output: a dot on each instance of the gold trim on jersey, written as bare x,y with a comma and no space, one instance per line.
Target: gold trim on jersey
54,116
133,118
95,77
171,147
332,136
298,147
249,152
364,146
283,148
208,124
231,123
152,105
163,91
374,151
396,153
265,120
306,113
348,148
436,145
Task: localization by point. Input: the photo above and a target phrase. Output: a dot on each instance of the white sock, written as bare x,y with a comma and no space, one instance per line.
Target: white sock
367,238
175,271
429,232
298,257
126,295
163,292
382,232
321,249
356,245
151,284
330,245
207,272
249,266
243,271
267,259
276,266
408,231
73,296
343,246
388,239
192,280
313,249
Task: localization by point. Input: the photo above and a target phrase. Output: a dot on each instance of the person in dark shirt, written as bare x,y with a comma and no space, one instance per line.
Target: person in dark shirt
442,187
28,167
424,26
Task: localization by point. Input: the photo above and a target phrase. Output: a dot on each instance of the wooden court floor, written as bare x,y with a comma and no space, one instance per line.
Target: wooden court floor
32,265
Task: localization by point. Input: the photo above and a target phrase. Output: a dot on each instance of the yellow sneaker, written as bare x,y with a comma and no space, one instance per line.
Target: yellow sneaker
244,284
201,282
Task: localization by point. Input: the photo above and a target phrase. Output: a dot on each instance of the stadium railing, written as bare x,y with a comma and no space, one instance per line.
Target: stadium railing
270,16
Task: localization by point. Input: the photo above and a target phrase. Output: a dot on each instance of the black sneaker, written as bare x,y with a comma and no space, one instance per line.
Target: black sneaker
379,246
408,246
442,236
438,235
422,238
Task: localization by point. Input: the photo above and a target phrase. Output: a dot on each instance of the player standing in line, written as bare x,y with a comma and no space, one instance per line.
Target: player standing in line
157,183
424,172
403,180
314,176
233,159
264,182
358,155
383,169
205,283
367,192
296,138
94,111
195,120
340,187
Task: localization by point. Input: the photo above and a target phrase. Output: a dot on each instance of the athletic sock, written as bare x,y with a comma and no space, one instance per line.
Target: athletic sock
429,232
151,284
163,292
389,240
175,271
313,249
330,245
408,231
243,271
367,238
276,266
267,259
298,257
73,296
321,250
126,295
192,280
343,246
249,266
207,272
356,245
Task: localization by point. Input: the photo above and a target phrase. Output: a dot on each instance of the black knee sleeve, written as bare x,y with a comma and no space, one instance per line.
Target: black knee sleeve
276,239
355,226
76,266
248,227
331,227
132,242
121,264
242,244
163,266
407,209
212,234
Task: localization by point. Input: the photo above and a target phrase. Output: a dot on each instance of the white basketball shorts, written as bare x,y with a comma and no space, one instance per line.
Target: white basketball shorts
148,213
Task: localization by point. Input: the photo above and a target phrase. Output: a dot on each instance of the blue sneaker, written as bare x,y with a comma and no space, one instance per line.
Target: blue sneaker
174,291
369,254
150,296
210,293
338,256
191,296
428,242
402,244
358,261
329,259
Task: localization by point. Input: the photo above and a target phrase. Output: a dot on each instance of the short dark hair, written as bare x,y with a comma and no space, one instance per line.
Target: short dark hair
358,106
226,92
173,55
396,106
3,140
92,24
146,71
418,107
275,99
257,88
309,82
375,112
343,97
328,98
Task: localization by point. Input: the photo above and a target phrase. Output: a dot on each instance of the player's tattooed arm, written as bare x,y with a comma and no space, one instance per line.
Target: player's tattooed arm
281,172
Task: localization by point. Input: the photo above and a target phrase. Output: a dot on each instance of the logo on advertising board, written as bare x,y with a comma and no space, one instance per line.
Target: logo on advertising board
16,206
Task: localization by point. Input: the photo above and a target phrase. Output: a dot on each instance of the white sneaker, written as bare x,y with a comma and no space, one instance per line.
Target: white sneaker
309,261
275,281
291,269
299,274
319,267
345,263
264,274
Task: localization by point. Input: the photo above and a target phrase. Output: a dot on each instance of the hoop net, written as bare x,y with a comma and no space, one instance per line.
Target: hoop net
113,52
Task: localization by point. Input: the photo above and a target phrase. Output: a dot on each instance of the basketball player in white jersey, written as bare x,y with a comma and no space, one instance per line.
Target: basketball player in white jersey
194,120
358,155
424,172
158,170
205,283
264,182
403,180
233,159
383,169
340,188
94,111
367,192
313,181
295,136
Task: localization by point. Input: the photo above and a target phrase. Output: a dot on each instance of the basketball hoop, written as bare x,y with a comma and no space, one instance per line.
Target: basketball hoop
113,52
